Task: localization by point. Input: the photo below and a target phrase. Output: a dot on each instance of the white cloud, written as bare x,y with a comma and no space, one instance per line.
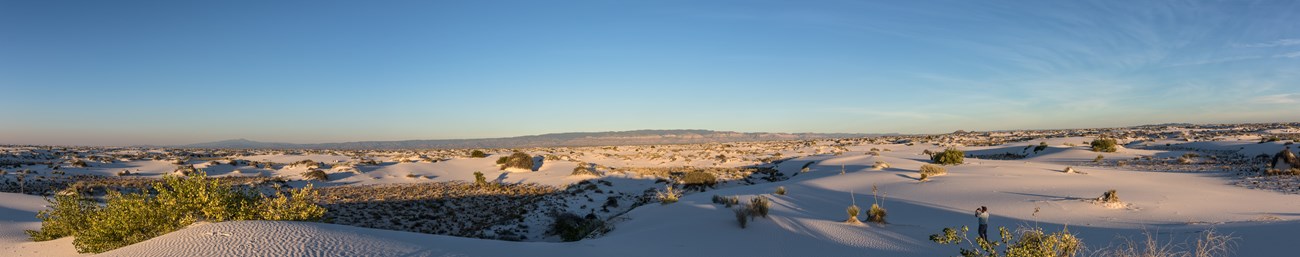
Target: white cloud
1279,42
1289,55
1278,99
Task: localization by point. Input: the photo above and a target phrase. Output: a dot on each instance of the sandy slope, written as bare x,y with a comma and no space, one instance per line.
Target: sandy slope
806,221
17,214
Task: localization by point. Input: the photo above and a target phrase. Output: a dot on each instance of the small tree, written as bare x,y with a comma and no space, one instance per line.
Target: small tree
479,179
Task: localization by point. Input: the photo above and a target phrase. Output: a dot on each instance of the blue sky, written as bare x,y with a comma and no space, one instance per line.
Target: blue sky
172,72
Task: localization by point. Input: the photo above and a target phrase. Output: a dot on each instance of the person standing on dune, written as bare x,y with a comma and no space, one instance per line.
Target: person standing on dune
983,214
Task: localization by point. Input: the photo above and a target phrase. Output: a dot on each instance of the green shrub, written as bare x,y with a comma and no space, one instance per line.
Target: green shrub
950,156
571,227
780,190
876,214
699,180
477,154
931,170
479,179
502,160
178,202
518,160
68,212
315,174
1031,242
1103,144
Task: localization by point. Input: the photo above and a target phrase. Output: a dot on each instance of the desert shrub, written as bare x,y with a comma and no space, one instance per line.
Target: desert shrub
699,179
571,227
931,170
669,195
67,212
315,174
502,160
518,160
1030,242
1041,146
296,204
1098,159
780,190
876,214
853,212
759,206
731,201
178,202
583,169
1103,144
1209,243
123,173
806,167
479,179
477,154
742,215
880,165
950,156
1109,196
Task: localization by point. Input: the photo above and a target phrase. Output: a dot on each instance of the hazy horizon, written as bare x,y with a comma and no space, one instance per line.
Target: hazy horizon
170,73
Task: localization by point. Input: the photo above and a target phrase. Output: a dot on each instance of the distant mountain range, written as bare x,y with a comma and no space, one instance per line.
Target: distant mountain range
636,137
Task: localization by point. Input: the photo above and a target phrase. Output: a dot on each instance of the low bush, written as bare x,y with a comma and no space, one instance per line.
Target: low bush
950,156
931,170
583,169
1098,159
742,215
669,195
571,227
1209,243
880,165
477,154
780,190
315,174
178,202
759,205
699,180
853,212
517,160
876,214
1030,242
1105,145
1109,196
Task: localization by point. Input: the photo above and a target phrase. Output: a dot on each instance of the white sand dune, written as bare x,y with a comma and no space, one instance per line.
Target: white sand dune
805,222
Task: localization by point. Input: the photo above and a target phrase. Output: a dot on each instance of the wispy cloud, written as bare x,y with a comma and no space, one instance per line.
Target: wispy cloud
1278,99
1277,43
1289,55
